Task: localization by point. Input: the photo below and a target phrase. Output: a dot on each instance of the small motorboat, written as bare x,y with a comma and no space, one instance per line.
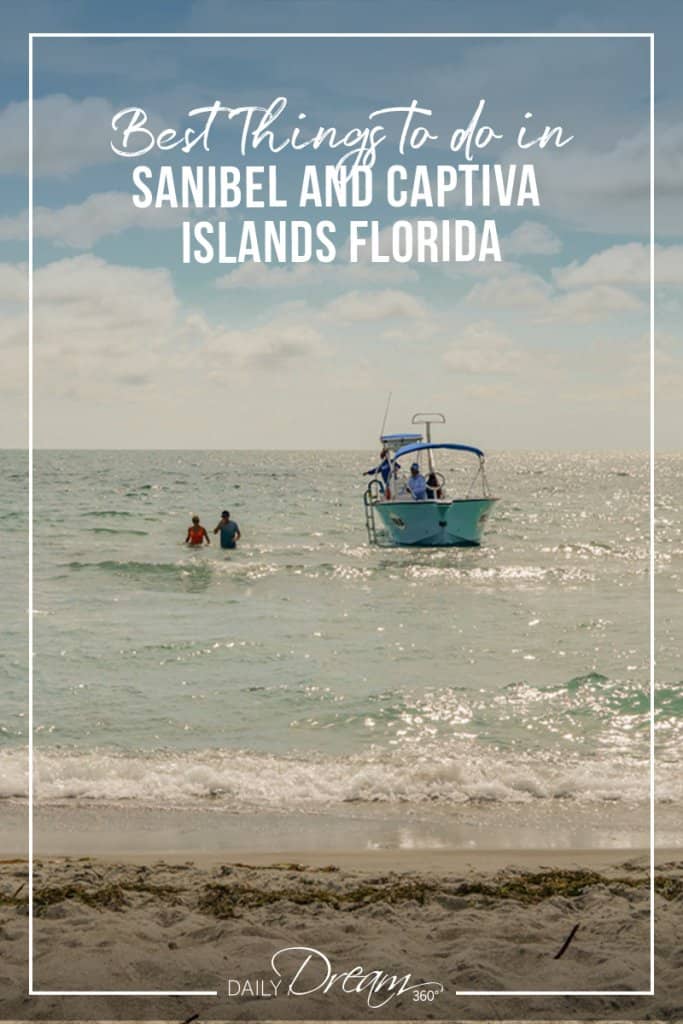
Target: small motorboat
407,502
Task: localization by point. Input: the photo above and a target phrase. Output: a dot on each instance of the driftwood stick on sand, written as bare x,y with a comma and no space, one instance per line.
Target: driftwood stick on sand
565,944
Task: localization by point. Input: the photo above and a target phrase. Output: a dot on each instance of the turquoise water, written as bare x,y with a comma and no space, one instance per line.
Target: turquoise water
306,669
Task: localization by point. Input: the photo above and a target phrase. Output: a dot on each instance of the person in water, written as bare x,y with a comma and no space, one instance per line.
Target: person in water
229,530
196,534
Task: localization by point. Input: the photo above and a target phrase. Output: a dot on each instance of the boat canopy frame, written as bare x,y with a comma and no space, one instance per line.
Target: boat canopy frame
425,446
430,446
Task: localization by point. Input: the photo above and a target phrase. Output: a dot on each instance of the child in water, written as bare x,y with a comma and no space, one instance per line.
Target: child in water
196,534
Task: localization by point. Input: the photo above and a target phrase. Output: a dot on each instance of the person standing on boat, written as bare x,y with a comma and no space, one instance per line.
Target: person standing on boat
196,534
229,530
417,485
433,487
384,470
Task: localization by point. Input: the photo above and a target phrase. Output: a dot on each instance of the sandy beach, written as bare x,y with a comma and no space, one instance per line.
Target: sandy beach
460,921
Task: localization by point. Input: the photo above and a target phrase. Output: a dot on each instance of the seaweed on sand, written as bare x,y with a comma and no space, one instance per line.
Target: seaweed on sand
225,900
109,896
229,898
536,886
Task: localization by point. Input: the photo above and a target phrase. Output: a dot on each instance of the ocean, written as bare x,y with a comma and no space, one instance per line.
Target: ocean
308,672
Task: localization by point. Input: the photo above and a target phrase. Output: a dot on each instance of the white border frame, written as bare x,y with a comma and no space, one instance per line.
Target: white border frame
341,35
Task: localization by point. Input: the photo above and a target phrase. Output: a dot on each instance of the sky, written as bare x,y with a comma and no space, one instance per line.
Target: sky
547,349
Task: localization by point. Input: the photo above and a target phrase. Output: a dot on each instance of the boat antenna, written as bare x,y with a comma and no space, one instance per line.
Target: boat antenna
386,413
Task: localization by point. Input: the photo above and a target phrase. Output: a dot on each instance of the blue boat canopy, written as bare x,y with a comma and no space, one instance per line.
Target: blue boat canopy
408,448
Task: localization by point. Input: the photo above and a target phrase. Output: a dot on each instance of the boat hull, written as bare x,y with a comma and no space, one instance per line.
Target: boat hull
458,523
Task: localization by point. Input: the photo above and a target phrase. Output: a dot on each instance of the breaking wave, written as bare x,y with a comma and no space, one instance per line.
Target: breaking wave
245,781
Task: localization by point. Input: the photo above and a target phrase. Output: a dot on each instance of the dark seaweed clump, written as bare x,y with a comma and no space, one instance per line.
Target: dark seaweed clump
302,886
225,900
108,896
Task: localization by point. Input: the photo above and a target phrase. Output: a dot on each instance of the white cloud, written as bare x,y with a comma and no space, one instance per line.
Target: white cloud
581,292
69,134
514,289
482,349
95,326
627,265
531,239
13,282
668,371
102,329
93,285
81,225
269,346
373,306
97,323
602,190
261,276
587,304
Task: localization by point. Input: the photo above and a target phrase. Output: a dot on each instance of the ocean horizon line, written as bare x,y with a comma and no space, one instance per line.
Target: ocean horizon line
244,448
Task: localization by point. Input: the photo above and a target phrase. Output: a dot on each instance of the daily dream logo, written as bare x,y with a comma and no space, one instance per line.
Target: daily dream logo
303,970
